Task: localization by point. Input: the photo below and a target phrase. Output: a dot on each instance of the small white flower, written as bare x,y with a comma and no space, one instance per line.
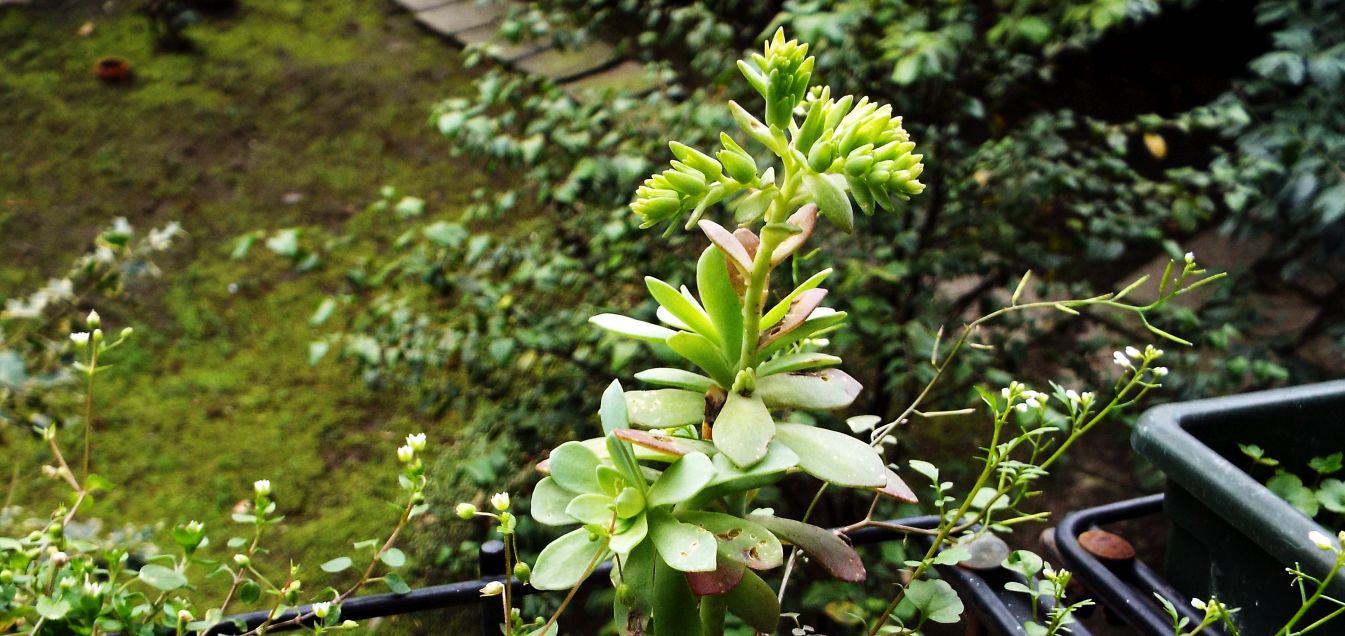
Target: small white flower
405,454
195,526
1120,359
80,338
1320,540
242,560
262,487
184,616
416,442
1004,392
59,558
93,588
500,501
1072,395
493,588
1190,257
1198,604
321,610
1086,396
1160,371
1133,352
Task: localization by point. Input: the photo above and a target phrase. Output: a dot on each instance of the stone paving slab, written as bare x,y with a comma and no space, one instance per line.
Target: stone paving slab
503,50
627,77
451,19
561,65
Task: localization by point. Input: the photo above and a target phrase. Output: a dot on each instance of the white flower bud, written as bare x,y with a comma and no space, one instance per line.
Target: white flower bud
1320,540
1198,604
493,588
262,487
80,338
59,558
465,510
321,610
416,442
242,560
405,454
1133,352
1021,407
1120,359
1072,395
500,501
1160,371
184,616
94,321
1190,257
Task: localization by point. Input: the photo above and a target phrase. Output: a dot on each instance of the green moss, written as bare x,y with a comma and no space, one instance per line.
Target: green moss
326,99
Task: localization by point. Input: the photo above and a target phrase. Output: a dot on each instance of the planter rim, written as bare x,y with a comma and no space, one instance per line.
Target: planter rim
1163,436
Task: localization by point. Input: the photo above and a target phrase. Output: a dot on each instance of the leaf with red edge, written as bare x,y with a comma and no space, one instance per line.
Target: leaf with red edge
799,310
726,241
824,546
724,577
806,220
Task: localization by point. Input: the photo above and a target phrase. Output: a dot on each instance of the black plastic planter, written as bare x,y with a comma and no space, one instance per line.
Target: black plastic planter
1127,588
1231,537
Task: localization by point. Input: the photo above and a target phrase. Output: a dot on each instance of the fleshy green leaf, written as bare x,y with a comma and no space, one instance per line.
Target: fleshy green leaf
631,328
730,478
781,308
563,563
825,390
664,408
573,466
676,378
612,409
703,352
682,480
717,293
831,200
674,606
793,362
592,508
740,539
685,311
743,429
755,602
631,535
683,546
834,457
393,558
549,500
813,326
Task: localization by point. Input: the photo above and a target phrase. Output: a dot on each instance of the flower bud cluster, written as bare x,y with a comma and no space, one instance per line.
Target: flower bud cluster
863,142
781,75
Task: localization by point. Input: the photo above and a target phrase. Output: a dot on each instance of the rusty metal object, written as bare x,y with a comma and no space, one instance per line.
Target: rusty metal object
1107,546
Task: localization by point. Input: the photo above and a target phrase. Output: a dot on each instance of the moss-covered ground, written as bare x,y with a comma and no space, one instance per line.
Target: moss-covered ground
288,113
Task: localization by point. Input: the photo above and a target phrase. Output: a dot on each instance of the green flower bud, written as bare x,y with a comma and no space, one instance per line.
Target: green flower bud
811,129
625,594
465,511
698,160
6,577
740,165
522,571
858,162
688,181
822,156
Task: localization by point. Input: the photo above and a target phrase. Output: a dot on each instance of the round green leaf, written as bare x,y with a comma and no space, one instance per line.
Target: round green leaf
935,599
664,408
683,546
574,466
561,564
592,508
337,565
549,500
834,457
826,390
744,429
393,558
682,480
162,578
742,540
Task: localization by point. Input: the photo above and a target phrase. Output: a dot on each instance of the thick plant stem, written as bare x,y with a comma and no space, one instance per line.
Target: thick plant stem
761,270
713,610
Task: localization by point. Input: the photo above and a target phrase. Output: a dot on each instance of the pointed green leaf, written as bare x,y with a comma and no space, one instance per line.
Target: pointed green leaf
681,307
834,457
612,409
730,478
814,326
574,466
798,313
563,563
665,408
683,546
743,429
682,480
549,500
755,602
825,390
703,352
631,328
623,455
792,362
676,378
721,301
781,308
